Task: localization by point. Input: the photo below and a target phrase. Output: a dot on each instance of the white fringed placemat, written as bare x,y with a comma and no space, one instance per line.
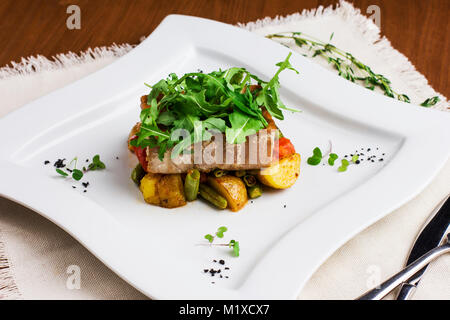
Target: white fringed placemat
37,258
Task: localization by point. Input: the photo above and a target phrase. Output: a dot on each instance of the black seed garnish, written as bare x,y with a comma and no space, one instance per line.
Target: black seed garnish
226,277
226,268
357,161
205,270
46,162
74,187
84,190
70,170
214,260
87,160
221,261
59,163
381,159
221,276
85,184
117,158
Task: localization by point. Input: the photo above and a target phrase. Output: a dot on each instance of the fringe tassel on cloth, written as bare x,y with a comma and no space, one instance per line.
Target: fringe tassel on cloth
8,287
36,64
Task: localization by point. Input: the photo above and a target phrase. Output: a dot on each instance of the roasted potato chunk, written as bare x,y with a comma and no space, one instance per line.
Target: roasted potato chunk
164,190
283,174
149,188
232,189
171,191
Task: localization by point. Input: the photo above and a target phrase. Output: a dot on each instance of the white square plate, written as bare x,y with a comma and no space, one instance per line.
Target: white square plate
284,235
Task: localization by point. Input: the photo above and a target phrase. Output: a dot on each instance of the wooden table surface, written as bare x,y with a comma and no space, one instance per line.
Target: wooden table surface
417,28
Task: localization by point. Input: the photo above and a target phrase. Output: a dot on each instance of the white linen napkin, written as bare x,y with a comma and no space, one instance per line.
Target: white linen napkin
37,257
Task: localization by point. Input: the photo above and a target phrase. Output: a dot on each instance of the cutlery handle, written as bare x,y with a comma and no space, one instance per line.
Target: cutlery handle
391,283
406,291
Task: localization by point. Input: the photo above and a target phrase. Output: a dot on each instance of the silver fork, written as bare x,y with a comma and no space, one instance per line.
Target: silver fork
397,279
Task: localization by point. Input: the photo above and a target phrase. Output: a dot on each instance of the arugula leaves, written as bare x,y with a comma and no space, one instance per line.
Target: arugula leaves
229,101
241,127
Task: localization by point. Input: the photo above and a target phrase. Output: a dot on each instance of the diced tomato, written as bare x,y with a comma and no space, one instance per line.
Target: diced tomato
142,157
141,154
285,148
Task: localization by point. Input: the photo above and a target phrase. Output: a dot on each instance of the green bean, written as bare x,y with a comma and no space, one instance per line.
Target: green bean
191,184
137,174
239,173
254,191
219,173
249,180
212,196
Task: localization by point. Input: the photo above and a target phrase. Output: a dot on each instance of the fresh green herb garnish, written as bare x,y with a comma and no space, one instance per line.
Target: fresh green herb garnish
344,165
430,102
315,159
332,158
65,174
209,237
96,164
348,66
220,232
77,174
235,245
355,158
228,101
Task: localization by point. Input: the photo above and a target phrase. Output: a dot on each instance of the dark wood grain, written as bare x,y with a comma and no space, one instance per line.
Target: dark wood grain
417,28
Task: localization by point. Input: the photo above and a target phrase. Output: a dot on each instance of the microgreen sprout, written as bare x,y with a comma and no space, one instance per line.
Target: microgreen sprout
209,237
332,158
315,159
77,174
96,164
233,244
64,174
355,158
220,232
344,165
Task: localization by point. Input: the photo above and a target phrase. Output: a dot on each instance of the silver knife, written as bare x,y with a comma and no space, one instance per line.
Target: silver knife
429,238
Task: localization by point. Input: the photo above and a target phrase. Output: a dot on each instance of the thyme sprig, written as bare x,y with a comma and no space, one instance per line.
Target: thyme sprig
347,65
